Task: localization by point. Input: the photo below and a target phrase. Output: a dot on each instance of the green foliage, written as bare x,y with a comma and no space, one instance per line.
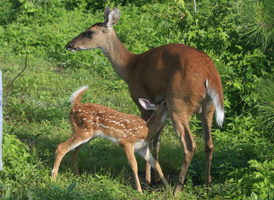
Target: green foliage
258,179
258,24
7,12
15,154
265,106
243,70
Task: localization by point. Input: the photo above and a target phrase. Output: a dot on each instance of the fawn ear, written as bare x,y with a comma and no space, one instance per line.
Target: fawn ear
111,17
146,104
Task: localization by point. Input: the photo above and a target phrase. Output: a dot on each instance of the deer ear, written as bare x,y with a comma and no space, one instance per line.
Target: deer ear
113,17
106,13
146,104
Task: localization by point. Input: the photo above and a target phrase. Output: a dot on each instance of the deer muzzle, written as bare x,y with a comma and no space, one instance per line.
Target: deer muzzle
70,47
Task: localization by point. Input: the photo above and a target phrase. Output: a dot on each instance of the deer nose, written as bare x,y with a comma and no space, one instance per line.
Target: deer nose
68,46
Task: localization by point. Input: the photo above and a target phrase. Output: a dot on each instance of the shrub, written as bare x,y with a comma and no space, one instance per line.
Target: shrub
257,23
265,106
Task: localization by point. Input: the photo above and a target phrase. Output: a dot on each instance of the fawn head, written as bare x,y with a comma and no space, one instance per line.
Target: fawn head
159,109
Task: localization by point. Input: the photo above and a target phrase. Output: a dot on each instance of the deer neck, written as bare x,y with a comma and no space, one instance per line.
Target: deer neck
119,57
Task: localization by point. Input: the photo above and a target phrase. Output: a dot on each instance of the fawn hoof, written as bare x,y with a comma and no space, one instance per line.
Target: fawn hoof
53,175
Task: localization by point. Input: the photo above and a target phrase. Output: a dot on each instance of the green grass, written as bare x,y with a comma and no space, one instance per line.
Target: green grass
36,116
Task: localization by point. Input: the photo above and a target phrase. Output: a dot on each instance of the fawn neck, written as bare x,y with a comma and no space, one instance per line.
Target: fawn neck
155,123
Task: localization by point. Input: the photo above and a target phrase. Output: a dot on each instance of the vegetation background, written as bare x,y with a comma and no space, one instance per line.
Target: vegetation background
237,35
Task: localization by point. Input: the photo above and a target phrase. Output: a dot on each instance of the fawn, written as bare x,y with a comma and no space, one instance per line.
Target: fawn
90,120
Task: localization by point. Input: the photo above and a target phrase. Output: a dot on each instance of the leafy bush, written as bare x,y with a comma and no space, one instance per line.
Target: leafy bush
265,106
258,180
7,12
15,154
257,23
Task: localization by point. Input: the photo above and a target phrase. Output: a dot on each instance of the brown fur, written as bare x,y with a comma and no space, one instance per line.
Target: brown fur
94,120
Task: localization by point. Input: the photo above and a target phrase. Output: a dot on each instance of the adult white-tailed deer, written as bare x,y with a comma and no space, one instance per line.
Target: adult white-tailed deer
90,121
183,76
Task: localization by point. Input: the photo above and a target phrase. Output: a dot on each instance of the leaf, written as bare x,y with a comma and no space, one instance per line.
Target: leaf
29,194
8,194
32,10
3,186
57,188
71,187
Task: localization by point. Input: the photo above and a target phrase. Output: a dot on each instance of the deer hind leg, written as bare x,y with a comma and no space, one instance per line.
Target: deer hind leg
129,150
179,119
206,118
65,147
145,153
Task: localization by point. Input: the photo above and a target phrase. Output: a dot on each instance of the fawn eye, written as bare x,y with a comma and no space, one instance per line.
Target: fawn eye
89,34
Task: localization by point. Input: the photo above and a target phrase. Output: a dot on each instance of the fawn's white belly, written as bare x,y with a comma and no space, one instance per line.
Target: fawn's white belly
112,139
140,144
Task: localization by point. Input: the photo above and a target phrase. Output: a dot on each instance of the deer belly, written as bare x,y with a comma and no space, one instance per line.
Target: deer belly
112,139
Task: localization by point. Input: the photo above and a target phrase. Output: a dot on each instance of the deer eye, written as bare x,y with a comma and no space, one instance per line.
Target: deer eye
89,34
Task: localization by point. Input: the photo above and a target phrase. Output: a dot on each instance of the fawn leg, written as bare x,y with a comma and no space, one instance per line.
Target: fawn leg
74,154
129,150
65,147
145,153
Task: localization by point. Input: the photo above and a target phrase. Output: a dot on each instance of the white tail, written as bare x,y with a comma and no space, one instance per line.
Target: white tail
185,77
218,103
90,121
77,95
